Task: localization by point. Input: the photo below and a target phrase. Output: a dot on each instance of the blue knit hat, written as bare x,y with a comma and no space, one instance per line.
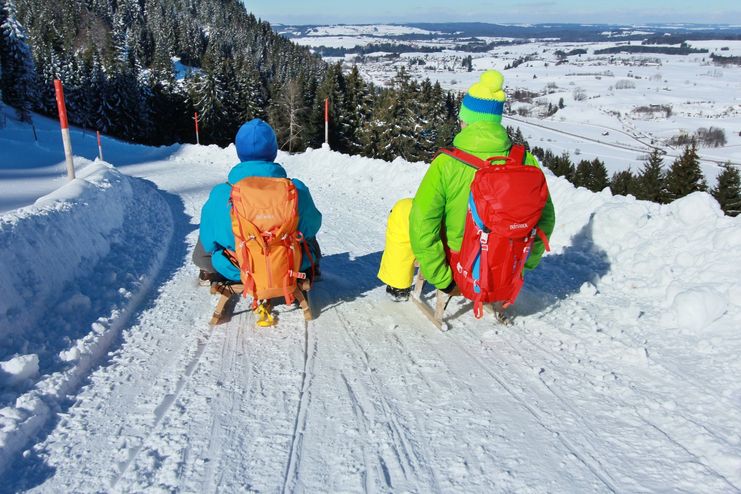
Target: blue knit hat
256,141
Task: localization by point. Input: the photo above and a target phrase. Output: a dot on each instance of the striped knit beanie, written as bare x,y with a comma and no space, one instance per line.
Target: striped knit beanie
484,100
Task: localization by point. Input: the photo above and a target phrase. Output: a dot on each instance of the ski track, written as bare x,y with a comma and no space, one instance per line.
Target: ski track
369,397
520,343
299,426
591,463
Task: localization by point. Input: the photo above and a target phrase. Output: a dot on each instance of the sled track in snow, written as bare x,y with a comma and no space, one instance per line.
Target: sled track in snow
165,405
299,426
596,471
699,460
678,415
404,446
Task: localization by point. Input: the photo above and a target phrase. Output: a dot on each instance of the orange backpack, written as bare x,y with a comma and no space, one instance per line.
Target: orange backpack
265,219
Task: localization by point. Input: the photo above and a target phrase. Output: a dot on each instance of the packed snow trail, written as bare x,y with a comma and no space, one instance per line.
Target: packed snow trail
592,390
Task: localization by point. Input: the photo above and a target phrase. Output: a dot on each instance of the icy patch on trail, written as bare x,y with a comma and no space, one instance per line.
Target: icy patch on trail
75,265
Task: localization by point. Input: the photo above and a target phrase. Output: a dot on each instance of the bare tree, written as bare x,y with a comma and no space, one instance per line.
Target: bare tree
286,115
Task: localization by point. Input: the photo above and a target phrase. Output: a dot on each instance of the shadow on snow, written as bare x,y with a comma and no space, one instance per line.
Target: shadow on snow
561,275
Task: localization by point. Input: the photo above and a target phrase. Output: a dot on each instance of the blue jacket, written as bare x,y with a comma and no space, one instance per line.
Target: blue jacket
216,223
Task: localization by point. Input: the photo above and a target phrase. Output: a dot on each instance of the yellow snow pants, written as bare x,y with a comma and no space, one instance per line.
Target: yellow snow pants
397,263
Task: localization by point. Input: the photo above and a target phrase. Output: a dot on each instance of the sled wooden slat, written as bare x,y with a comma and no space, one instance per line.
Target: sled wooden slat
434,317
441,301
437,315
224,309
231,292
303,301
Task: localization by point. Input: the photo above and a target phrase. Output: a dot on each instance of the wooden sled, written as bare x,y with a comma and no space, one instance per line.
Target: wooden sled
442,299
230,293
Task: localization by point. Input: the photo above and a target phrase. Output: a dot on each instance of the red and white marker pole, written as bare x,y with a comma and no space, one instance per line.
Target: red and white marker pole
100,146
62,109
326,121
198,137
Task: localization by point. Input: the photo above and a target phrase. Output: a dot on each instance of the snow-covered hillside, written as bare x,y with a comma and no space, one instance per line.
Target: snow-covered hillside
32,158
615,107
620,373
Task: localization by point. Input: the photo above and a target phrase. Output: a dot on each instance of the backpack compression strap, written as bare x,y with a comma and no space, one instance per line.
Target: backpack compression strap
516,156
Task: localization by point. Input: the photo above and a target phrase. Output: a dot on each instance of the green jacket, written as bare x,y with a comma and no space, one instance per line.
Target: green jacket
442,198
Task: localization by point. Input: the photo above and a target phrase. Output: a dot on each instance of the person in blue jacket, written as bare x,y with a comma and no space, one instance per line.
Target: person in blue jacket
257,148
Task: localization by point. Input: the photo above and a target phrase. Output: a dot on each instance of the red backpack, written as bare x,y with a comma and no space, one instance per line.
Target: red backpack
504,208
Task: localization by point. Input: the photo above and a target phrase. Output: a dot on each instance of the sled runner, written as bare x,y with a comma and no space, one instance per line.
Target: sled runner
230,293
441,300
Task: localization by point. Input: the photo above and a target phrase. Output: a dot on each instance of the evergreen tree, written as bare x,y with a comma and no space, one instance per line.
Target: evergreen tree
651,180
561,166
144,108
728,190
598,179
248,98
685,175
517,137
357,110
622,183
428,119
49,69
538,152
370,132
207,93
398,117
18,71
582,174
134,93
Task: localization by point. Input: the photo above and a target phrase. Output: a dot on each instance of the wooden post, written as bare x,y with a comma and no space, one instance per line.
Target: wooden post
66,141
326,121
100,146
198,137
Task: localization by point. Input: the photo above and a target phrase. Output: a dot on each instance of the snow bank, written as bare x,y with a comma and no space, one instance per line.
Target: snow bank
18,369
75,266
45,245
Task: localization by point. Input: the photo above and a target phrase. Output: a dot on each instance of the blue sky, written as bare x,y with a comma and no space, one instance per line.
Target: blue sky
374,11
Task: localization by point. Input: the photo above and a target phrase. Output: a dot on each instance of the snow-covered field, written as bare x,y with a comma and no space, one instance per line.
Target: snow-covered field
605,120
620,373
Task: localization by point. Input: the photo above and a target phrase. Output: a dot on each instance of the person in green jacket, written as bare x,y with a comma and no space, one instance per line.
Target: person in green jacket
427,227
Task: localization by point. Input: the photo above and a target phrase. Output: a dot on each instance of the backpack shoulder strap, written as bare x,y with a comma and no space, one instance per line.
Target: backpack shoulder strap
464,157
517,153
